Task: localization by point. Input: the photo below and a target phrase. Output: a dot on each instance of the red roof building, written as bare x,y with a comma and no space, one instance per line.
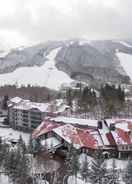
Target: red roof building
45,127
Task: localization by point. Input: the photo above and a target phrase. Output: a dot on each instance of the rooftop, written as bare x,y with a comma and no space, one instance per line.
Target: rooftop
44,128
75,121
79,138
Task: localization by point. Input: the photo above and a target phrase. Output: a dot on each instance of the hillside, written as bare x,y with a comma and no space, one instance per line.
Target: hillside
56,63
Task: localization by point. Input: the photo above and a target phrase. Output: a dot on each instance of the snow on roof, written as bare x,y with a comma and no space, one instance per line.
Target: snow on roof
69,120
121,137
28,105
44,128
122,133
123,126
16,100
76,136
106,135
59,102
123,130
117,120
62,108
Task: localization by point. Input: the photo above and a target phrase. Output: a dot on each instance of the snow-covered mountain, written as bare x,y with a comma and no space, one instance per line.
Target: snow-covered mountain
55,63
46,75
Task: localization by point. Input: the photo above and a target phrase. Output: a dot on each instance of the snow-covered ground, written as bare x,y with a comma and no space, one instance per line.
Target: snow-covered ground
126,62
46,75
9,134
120,164
73,180
4,179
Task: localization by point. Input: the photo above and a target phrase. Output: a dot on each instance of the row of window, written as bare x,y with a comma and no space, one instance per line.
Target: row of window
126,147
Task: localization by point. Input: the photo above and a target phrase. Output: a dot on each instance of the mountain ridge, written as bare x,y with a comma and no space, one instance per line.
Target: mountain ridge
93,62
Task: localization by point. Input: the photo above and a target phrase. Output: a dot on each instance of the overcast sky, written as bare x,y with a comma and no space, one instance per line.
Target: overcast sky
25,22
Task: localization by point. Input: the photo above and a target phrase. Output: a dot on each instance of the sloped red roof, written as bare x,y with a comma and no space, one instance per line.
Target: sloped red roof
78,137
124,136
87,139
123,131
110,139
43,128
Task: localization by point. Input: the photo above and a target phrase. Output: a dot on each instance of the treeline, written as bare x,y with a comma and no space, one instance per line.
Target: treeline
112,99
17,163
95,170
14,162
34,93
109,99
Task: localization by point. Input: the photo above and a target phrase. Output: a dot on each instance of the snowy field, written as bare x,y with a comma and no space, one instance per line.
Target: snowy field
46,75
9,134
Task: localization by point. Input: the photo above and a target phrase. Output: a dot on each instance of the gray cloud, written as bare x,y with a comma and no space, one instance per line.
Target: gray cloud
39,20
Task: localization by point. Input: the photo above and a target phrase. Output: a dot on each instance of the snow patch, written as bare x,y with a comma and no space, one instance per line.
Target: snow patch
46,75
126,62
8,134
84,42
4,53
78,180
125,44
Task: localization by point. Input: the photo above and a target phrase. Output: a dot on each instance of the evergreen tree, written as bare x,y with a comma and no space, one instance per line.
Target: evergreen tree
4,150
69,97
30,145
85,171
113,99
72,162
98,173
4,103
22,145
128,173
114,174
17,165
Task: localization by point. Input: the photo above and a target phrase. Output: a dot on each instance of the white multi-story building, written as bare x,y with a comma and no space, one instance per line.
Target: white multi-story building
27,115
24,114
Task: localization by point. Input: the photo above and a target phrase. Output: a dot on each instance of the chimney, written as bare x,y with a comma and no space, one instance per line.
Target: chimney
100,125
112,127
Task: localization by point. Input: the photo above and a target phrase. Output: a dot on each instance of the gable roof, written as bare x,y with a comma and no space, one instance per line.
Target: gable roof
44,128
76,136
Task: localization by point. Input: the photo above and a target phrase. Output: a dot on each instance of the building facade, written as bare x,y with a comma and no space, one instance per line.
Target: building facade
26,115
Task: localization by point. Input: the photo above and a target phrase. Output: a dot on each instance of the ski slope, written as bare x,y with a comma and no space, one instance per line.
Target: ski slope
125,44
126,62
46,75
